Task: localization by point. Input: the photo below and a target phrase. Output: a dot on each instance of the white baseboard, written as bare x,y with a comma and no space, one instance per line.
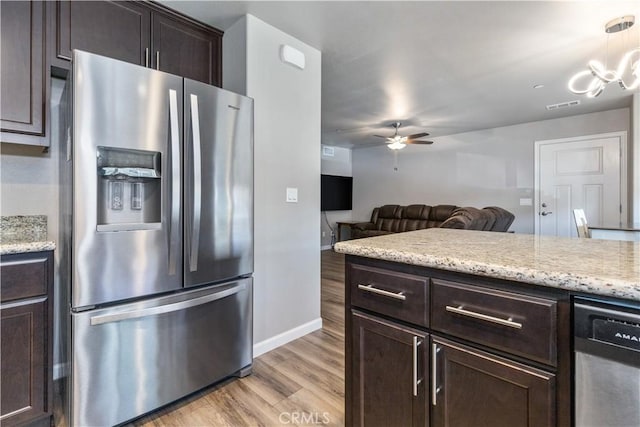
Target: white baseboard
326,247
285,337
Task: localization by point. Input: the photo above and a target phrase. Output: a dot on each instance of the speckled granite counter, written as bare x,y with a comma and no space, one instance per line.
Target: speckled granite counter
24,233
603,267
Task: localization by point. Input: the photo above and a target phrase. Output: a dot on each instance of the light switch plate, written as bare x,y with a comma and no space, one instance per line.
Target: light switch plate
292,195
526,202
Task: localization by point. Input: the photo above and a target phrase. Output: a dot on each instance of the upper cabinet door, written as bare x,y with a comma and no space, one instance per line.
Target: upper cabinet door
22,74
115,29
186,50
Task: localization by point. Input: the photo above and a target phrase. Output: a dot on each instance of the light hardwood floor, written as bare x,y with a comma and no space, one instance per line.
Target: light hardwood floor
300,383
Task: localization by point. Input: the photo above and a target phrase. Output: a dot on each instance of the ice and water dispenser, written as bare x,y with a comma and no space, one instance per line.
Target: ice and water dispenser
129,189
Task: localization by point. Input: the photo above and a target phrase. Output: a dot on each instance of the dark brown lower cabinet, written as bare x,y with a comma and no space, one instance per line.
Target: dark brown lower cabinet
390,374
472,388
26,336
24,339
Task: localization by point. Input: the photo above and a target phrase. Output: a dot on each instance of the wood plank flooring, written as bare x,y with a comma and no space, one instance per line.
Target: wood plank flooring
298,384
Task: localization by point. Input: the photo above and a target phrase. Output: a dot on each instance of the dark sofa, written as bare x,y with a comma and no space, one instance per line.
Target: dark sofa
389,219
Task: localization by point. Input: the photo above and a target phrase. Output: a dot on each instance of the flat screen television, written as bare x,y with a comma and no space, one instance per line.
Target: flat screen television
335,192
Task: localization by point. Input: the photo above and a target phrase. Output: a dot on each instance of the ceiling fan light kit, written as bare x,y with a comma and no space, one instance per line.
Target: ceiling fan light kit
598,73
397,145
398,142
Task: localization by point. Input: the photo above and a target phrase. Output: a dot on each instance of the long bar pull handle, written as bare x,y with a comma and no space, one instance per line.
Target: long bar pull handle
146,57
174,198
167,308
463,312
369,288
415,380
434,374
157,59
197,184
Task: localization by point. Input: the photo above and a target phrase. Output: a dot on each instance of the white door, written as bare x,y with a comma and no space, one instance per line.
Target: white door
580,173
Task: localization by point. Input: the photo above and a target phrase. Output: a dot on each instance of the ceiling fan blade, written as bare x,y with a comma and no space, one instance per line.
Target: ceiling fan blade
413,141
380,136
417,135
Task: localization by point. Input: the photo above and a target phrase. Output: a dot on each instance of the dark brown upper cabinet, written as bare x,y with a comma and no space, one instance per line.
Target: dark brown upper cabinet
186,50
22,75
110,28
140,33
37,37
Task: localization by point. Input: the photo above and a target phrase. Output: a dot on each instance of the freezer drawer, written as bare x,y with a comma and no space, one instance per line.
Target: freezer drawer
133,358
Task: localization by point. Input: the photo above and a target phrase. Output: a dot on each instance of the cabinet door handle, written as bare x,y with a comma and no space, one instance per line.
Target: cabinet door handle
416,381
434,374
146,57
370,288
157,59
463,312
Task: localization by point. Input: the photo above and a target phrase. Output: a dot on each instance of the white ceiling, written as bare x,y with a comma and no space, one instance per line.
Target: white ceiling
442,67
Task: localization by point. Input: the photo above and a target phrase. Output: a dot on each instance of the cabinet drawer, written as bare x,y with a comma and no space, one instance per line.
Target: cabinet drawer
398,295
23,276
518,324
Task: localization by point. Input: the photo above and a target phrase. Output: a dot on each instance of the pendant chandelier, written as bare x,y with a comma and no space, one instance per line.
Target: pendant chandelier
593,81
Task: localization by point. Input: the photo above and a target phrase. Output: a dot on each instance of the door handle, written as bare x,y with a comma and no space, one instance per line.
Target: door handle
197,184
545,213
157,59
174,198
146,57
166,308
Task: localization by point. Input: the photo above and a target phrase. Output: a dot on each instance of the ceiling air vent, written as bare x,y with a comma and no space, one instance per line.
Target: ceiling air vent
563,105
328,151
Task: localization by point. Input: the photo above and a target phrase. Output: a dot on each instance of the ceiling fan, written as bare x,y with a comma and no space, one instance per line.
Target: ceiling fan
397,142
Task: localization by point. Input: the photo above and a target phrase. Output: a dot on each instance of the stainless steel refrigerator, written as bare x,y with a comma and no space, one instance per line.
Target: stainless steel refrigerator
157,207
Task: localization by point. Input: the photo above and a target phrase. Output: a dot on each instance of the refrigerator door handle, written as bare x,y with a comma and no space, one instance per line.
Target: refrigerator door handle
197,185
174,197
166,308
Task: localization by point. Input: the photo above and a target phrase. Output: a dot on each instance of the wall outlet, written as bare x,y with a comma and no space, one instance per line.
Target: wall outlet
324,233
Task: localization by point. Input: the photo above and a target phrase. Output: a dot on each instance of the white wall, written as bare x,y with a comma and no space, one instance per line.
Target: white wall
287,141
491,167
29,177
338,164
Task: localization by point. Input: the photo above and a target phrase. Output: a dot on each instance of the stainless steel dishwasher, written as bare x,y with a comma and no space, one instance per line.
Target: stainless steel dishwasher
607,364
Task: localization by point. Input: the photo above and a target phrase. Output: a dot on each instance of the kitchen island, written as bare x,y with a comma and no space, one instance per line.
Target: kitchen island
458,327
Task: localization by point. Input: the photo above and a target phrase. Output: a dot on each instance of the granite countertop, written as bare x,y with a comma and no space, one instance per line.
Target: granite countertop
24,233
602,267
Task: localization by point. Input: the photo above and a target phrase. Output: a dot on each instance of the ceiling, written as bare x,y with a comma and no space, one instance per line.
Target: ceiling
442,67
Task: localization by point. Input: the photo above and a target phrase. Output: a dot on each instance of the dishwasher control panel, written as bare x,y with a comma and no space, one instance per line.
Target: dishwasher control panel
613,331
